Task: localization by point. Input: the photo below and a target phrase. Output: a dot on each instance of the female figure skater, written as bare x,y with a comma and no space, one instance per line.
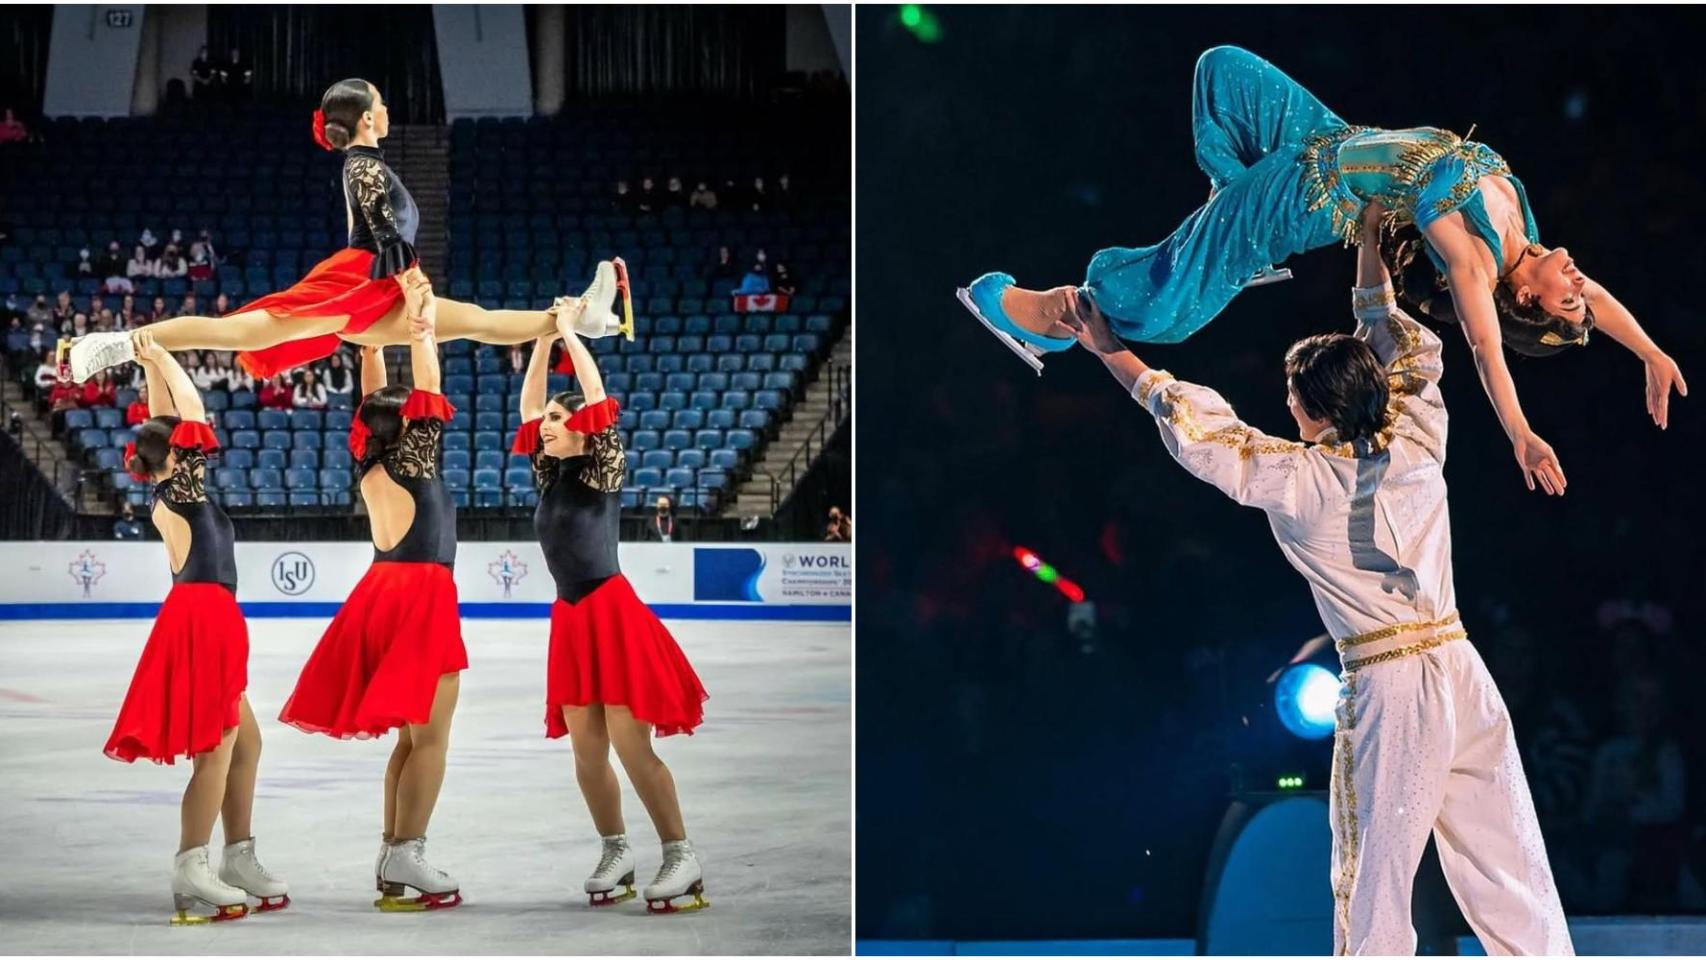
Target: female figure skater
614,673
1289,176
186,697
393,655
360,293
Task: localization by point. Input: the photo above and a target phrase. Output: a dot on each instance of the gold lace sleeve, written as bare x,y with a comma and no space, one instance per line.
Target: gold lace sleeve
607,466
416,454
188,482
371,195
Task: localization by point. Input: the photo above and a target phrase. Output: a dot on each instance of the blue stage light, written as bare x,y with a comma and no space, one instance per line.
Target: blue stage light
1305,697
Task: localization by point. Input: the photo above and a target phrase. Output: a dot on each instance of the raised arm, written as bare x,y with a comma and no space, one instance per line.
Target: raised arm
372,369
163,370
423,344
534,384
586,368
1619,324
1472,296
1201,430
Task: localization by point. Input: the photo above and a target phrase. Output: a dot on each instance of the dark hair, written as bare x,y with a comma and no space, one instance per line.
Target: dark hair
1526,328
343,104
153,445
382,415
1337,378
570,400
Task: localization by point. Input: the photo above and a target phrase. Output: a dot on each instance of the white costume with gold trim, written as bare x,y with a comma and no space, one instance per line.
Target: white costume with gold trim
1424,742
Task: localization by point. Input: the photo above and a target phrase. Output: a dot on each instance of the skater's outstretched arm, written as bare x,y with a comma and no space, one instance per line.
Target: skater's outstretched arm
1410,352
1201,430
535,384
179,388
1620,325
1472,296
159,397
372,369
423,344
586,368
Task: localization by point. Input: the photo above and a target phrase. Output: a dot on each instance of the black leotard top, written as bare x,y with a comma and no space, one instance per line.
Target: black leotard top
384,217
213,553
412,463
580,506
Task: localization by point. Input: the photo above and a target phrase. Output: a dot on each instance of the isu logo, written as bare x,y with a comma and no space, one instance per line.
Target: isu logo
788,560
507,571
292,573
87,570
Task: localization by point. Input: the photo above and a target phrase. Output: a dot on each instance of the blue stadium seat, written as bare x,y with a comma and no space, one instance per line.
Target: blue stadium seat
456,440
489,460
688,419
336,481
652,382
646,440
701,363
239,458
518,479
456,460
242,399
640,401
492,383
305,459
756,420
339,420
109,458
672,363
648,477
677,439
271,459
681,382
661,345
456,479
715,478
746,381
91,439
232,478
672,401
725,459
238,498
749,343
794,362
239,420
458,383
761,362
780,380
488,480
107,418
680,477
306,420
737,400
273,420
337,457
264,478
248,439
217,401
711,439
690,344
768,400
731,363
489,420
742,439
79,420
301,480
713,381
306,440
654,420
660,459
818,323
488,440
691,459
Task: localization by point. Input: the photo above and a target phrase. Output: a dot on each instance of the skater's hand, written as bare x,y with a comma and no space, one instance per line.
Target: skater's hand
1372,214
1538,462
1662,375
1093,331
147,351
425,323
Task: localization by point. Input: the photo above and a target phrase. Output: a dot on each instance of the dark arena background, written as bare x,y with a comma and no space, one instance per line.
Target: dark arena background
1074,776
708,146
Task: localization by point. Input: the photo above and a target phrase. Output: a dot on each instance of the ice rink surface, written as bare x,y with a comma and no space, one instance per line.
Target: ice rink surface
85,865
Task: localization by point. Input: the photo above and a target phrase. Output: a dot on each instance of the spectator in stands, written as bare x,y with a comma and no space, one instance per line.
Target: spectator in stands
157,311
139,265
241,379
203,76
662,527
238,77
100,391
648,200
703,197
79,325
110,269
63,397
757,280
48,373
63,309
206,238
673,195
221,304
39,311
276,395
781,280
150,245
126,527
724,270
97,303
189,307
171,263
129,318
517,359
137,412
12,130
104,321
84,267
839,528
217,369
624,200
338,378
310,393
201,265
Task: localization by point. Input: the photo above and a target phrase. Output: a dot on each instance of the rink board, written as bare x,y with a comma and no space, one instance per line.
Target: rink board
55,580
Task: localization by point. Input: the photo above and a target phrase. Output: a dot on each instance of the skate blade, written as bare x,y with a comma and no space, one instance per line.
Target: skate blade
184,918
1270,275
269,904
627,326
1023,351
424,902
697,891
604,898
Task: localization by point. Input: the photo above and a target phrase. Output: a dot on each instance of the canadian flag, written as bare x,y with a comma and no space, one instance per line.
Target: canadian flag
760,302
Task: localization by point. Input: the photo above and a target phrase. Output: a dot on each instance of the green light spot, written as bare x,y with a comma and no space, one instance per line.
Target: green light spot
911,15
929,30
1047,574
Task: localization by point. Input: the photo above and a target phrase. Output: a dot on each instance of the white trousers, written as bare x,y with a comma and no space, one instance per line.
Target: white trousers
1424,743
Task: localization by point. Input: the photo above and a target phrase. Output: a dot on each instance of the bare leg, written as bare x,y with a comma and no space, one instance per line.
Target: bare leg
393,773
236,813
205,792
1051,313
593,772
423,773
651,779
254,330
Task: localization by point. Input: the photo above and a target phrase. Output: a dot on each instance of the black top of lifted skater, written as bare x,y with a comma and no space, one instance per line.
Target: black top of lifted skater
579,514
383,216
412,463
213,553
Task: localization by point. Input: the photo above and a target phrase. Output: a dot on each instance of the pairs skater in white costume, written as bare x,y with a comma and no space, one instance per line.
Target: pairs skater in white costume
1424,743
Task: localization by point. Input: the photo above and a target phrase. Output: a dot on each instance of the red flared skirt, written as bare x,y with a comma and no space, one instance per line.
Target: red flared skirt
338,285
378,665
192,673
610,648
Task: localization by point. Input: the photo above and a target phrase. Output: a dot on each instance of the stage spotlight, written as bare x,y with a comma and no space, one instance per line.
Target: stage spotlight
920,22
1305,697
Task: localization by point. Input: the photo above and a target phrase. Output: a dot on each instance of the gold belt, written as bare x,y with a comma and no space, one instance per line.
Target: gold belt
1387,633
